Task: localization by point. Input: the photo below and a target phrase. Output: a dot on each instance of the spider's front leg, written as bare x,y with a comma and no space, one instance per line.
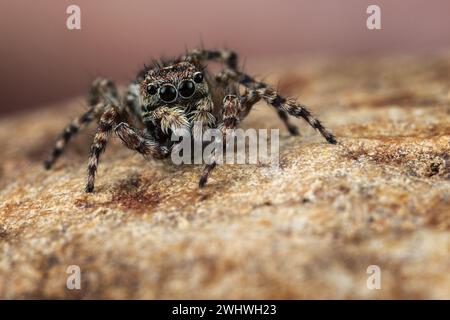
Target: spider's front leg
107,121
140,142
231,111
115,119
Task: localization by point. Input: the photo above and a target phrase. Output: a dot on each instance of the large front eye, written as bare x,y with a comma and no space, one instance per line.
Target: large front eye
168,93
186,88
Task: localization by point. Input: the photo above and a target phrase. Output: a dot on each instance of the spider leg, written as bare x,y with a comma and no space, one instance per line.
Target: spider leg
292,128
132,103
291,106
136,140
285,105
230,58
101,92
230,74
107,121
203,115
69,131
231,111
235,109
250,98
115,119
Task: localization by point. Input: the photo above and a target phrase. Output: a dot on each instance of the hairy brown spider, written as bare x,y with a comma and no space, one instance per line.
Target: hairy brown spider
171,95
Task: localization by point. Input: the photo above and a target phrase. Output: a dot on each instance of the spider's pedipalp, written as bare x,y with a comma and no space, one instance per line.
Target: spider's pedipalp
203,114
168,118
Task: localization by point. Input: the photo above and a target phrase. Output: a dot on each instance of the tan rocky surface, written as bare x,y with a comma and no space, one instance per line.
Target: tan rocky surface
308,229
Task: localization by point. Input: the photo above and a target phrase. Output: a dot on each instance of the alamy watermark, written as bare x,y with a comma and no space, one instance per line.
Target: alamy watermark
374,280
73,281
228,146
373,21
73,21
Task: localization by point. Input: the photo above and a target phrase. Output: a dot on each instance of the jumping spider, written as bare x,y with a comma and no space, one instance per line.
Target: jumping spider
174,94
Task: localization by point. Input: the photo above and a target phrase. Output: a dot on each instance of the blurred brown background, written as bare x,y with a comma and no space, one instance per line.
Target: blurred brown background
43,62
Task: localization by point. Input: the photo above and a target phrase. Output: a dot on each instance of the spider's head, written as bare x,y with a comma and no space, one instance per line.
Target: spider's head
179,85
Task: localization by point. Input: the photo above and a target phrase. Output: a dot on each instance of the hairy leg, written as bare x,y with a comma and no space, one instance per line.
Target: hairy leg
283,104
230,58
230,74
107,121
138,141
114,119
203,115
103,90
72,129
132,103
235,109
231,111
291,106
101,93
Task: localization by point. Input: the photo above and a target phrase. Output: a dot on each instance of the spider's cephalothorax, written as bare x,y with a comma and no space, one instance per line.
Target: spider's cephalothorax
173,95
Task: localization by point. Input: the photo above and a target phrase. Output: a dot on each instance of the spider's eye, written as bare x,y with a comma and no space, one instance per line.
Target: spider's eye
186,88
151,89
168,93
198,77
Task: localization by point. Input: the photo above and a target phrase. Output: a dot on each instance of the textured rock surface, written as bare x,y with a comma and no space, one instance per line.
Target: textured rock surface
309,229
